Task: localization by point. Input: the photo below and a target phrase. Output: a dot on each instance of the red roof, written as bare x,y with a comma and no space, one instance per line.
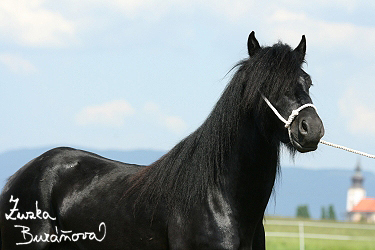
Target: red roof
366,205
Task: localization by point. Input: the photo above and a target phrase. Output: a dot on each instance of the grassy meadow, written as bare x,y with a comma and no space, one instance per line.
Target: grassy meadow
283,233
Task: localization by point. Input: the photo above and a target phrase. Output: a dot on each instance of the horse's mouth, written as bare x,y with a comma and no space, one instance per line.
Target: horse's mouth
300,148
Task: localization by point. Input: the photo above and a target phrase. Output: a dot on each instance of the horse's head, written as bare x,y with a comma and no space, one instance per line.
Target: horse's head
287,93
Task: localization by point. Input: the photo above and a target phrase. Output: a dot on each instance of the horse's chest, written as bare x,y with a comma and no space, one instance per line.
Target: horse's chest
211,225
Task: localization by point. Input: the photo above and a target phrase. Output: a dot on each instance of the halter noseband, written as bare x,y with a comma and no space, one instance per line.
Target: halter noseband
293,115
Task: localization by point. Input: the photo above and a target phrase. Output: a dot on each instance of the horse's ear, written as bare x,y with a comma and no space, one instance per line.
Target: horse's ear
252,44
301,48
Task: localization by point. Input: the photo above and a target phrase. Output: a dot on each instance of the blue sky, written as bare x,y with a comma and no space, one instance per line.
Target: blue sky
143,74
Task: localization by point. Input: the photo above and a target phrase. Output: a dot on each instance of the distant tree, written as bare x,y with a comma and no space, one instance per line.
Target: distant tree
303,211
363,219
324,213
331,213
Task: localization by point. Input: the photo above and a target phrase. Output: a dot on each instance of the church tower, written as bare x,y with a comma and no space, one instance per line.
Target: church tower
356,192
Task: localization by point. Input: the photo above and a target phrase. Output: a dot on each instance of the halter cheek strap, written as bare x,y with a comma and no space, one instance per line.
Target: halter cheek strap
291,117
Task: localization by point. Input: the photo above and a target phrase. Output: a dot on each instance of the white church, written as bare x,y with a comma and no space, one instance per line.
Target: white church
359,208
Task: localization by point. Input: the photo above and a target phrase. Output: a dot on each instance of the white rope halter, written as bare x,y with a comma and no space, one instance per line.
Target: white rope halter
295,113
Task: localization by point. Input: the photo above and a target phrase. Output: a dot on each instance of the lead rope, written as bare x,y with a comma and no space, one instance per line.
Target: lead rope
296,112
347,149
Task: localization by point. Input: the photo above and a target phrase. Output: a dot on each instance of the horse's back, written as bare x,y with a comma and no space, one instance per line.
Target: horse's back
59,166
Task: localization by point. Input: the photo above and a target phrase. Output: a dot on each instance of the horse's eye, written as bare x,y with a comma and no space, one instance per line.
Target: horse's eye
301,80
305,82
309,82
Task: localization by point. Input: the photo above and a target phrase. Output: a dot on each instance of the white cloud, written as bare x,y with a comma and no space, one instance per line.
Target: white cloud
29,23
42,23
347,5
17,64
358,111
283,15
343,35
114,114
156,9
131,9
234,10
108,114
173,123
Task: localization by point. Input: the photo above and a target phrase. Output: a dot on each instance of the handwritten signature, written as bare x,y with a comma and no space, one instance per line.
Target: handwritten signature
59,237
38,214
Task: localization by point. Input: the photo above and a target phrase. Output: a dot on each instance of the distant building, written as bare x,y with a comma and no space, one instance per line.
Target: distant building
359,208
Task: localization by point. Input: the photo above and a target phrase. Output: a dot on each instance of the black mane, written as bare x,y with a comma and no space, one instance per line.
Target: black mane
182,177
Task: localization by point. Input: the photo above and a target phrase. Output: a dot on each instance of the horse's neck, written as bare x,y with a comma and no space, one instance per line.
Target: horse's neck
253,171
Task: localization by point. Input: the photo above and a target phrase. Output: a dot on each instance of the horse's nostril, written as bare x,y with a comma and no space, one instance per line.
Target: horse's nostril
304,127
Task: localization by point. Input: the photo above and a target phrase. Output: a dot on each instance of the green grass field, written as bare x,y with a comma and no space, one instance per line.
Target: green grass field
353,236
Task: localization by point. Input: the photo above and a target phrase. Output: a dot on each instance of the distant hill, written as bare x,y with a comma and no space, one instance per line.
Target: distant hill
296,186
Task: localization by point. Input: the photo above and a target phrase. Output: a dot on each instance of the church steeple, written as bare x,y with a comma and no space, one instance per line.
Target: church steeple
357,179
356,192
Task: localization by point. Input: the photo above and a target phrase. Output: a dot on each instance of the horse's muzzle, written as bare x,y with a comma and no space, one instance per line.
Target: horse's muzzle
306,131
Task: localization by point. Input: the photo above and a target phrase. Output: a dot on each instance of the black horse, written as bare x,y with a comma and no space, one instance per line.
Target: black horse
209,192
